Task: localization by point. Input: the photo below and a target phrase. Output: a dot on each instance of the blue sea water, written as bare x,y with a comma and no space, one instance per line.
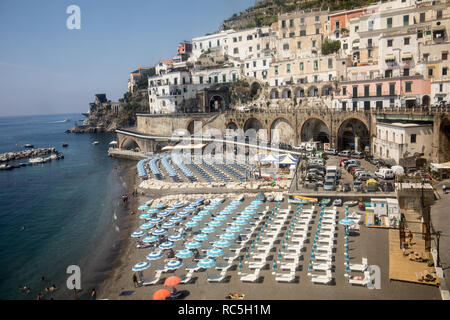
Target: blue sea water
69,208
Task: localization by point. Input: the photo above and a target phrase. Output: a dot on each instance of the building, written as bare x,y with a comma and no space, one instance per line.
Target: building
138,74
398,141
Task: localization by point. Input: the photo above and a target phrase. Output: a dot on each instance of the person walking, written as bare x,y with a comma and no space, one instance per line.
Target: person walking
444,189
135,280
93,294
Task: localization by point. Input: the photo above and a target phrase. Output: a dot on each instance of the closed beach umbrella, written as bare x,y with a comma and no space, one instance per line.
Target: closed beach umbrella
206,263
172,281
210,207
175,219
161,294
173,264
228,236
182,214
150,239
138,234
168,225
155,255
166,245
143,208
159,232
193,245
215,252
153,210
175,237
155,220
147,226
141,266
234,229
201,237
184,253
208,229
198,218
215,223
222,243
191,224
145,216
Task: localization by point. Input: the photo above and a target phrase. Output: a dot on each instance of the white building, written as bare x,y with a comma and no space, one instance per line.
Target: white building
258,67
400,140
247,44
216,40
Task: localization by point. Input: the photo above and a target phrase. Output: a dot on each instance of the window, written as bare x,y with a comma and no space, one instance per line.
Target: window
344,91
302,33
406,20
366,90
366,105
406,41
406,72
355,105
249,38
317,31
419,34
236,51
356,28
316,64
330,77
337,24
344,105
234,77
291,34
254,74
425,56
291,23
314,43
317,19
408,86
218,42
441,87
288,68
422,17
250,49
224,78
302,21
254,64
175,81
258,47
316,78
444,55
369,43
286,46
379,105
247,65
355,91
444,71
200,79
389,43
345,46
330,63
439,14
267,45
299,45
370,53
209,44
430,72
276,69
234,39
264,63
283,24
391,89
301,66
413,138
240,38
370,25
389,23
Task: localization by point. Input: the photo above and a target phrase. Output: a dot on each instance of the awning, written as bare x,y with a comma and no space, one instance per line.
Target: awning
406,56
389,57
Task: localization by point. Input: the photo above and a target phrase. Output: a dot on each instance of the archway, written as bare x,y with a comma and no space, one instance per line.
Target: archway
299,92
282,129
426,100
231,126
353,134
255,90
313,91
129,143
444,141
216,103
327,90
252,123
286,94
192,123
274,94
315,129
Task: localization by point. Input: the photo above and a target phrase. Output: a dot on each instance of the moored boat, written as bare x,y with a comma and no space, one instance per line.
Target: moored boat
325,202
350,203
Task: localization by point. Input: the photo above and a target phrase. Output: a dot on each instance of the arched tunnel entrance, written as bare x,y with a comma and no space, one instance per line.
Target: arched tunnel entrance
444,141
353,134
315,130
282,129
130,144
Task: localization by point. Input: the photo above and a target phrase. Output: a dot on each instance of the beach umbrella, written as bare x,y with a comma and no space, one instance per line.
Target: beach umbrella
221,217
204,213
239,222
168,225
166,245
138,234
175,219
256,202
170,210
215,252
160,206
235,202
155,220
228,236
209,229
274,265
201,237
193,245
147,226
240,266
222,243
215,223
206,263
140,266
252,246
159,232
249,211
197,218
245,216
191,224
143,208
210,207
173,264
162,214
155,255
175,237
145,216
153,210
225,212
161,294
183,214
184,253
279,254
178,205
247,254
234,229
346,222
150,239
172,281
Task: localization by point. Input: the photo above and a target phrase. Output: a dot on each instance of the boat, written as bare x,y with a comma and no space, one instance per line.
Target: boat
260,196
239,198
270,197
65,144
95,142
66,120
86,114
5,166
350,203
278,197
337,202
28,146
36,160
325,202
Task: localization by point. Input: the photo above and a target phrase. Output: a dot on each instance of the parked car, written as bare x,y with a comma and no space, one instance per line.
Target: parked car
357,155
352,168
386,186
365,176
345,153
329,186
342,162
330,151
346,187
385,173
357,186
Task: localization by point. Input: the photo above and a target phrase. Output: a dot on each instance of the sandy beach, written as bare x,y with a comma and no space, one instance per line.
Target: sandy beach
371,243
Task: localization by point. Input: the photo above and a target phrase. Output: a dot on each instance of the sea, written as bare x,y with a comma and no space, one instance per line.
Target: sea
58,214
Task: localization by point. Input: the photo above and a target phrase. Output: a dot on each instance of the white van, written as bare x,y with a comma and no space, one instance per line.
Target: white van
385,173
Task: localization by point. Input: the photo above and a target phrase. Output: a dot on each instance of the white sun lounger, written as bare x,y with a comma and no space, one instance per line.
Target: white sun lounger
359,267
324,279
322,266
250,277
256,264
188,276
217,277
285,277
153,280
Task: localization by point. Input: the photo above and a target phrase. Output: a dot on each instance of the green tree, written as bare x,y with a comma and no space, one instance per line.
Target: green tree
330,46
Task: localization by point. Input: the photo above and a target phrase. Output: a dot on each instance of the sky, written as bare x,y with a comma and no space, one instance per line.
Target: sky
45,68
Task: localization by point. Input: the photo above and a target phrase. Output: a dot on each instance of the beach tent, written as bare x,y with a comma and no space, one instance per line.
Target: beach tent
270,158
289,160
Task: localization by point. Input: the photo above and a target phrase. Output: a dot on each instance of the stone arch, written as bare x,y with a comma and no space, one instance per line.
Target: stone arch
313,91
315,129
353,133
190,124
274,94
285,129
231,125
299,92
255,89
216,102
286,94
253,123
130,143
426,100
444,140
327,90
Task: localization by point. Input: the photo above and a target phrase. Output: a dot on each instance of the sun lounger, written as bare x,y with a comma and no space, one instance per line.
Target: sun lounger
285,277
188,277
322,266
224,266
217,277
323,257
153,280
250,277
324,279
256,265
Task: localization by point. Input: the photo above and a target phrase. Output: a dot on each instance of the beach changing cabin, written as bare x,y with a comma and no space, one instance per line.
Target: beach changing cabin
379,206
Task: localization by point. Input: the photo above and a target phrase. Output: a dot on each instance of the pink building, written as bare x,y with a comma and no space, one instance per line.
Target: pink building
383,93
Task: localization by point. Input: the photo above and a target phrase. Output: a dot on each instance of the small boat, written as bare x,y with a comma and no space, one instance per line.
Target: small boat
28,146
278,197
36,160
270,198
65,145
337,202
260,196
95,142
5,167
350,203
240,198
325,202
66,120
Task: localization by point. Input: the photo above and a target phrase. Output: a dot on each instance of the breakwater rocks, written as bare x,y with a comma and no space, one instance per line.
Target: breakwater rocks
30,153
86,129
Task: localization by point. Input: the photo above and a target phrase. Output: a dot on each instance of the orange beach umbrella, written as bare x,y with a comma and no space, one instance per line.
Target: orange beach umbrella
172,281
161,294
